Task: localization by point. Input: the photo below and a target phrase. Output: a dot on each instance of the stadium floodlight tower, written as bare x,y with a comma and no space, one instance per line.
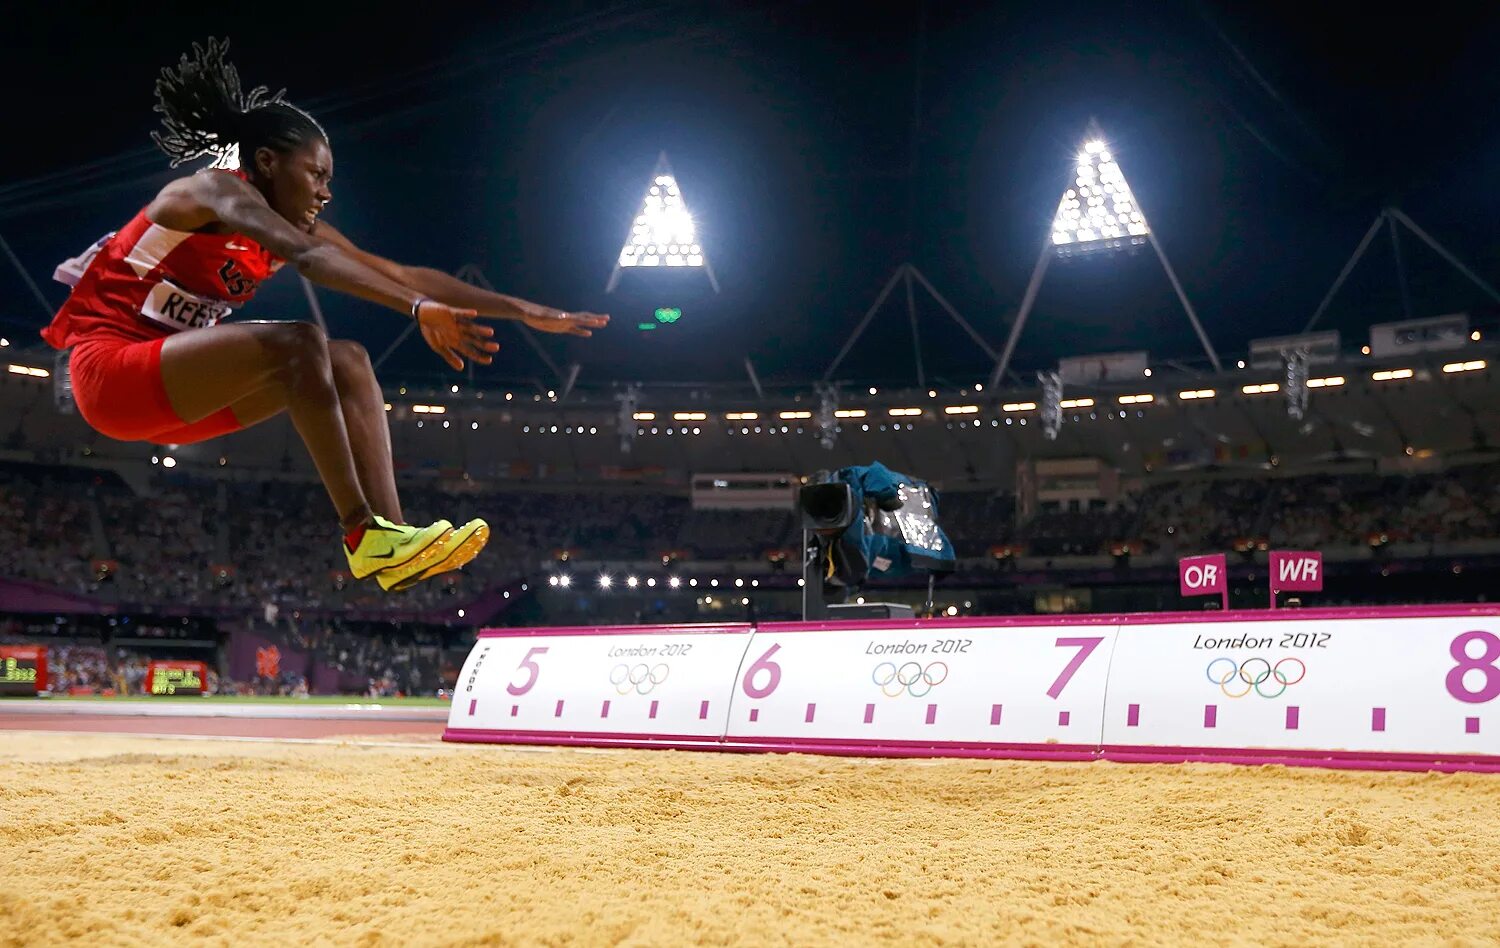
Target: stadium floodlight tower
663,233
1097,214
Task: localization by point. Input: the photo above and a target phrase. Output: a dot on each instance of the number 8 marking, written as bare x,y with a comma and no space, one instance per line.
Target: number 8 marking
1485,663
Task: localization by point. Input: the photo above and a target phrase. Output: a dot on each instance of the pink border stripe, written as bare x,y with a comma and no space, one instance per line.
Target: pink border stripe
1341,760
1453,610
1120,753
735,628
592,738
1143,618
1309,753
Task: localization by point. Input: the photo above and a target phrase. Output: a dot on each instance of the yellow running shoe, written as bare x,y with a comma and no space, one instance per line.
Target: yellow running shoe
388,546
459,547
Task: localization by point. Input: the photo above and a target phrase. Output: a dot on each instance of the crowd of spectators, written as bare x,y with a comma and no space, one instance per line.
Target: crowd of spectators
249,545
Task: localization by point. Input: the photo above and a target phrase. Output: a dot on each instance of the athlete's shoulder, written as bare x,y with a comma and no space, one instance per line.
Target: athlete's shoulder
197,200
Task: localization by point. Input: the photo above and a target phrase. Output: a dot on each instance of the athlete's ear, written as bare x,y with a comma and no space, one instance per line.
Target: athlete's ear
265,162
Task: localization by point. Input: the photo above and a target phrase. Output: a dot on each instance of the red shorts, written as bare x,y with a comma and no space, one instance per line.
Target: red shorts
118,388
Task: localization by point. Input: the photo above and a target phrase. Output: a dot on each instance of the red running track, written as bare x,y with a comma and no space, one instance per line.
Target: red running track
219,726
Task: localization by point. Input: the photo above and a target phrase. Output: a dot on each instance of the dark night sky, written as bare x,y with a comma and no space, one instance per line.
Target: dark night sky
519,137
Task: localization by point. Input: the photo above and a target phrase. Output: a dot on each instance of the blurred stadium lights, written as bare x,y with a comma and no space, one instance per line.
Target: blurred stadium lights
1391,375
828,415
1052,391
1471,366
629,400
1296,382
663,233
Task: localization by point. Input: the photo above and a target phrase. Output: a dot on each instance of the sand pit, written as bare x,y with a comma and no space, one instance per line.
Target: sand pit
133,841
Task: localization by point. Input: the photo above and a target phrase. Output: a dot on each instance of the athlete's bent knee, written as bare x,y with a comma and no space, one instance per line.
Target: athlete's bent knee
349,358
300,349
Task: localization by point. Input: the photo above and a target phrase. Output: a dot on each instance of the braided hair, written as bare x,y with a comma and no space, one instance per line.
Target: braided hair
205,112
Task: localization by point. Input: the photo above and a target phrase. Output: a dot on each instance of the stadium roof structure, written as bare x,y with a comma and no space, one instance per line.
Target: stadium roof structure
1098,213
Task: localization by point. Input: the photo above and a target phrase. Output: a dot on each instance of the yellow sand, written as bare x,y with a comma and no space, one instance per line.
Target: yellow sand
138,841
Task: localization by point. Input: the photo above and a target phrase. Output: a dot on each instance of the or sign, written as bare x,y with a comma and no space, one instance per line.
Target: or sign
176,678
1203,575
1296,571
23,669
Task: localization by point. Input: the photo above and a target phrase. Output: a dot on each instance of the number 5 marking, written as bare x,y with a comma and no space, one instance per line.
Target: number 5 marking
1085,648
531,672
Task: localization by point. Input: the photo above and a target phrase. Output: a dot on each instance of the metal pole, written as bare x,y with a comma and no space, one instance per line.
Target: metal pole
1344,273
1400,269
1188,307
312,304
1027,302
979,340
916,339
1442,252
477,277
754,380
411,328
36,291
869,315
568,382
814,605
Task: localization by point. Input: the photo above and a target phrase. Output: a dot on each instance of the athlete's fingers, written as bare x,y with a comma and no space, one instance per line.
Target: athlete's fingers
480,353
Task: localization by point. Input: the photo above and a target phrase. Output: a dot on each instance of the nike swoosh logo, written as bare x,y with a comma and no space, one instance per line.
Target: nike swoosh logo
234,246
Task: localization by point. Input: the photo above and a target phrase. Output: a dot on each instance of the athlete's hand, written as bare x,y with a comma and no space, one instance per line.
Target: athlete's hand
454,335
572,324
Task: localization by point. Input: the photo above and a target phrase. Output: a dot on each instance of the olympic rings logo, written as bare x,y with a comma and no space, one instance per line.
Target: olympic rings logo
911,678
1238,679
637,678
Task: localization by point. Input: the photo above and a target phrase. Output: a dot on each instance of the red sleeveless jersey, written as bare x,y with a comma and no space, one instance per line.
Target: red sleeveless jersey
148,281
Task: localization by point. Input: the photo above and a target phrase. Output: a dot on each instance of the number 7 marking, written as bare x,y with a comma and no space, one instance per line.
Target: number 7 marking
1085,648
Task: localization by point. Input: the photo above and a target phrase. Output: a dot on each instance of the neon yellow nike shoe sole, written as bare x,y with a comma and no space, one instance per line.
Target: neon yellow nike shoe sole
458,548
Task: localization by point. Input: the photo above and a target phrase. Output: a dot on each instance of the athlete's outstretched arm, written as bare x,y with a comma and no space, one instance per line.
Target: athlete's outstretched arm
202,199
455,292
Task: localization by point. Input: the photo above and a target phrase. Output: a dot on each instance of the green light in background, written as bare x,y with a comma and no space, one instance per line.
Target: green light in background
645,327
668,314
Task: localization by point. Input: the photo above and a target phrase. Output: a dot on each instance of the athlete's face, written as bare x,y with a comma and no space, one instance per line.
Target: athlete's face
299,181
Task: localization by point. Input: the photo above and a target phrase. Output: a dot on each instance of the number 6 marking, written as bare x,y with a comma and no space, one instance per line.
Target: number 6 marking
764,664
531,672
1085,648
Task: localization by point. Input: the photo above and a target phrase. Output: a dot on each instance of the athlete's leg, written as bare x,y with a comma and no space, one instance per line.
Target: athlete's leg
207,370
368,426
363,405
